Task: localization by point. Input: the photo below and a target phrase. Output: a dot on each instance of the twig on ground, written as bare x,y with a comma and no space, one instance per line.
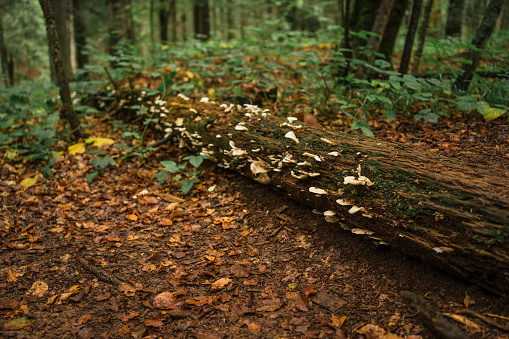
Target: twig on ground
102,276
433,318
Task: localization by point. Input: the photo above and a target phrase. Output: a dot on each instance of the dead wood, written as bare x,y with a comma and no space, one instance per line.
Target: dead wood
443,211
432,318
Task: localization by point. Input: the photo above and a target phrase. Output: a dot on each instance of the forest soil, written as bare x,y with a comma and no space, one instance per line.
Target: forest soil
236,259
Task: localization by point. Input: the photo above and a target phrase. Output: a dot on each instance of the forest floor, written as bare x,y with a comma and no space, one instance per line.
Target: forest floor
232,259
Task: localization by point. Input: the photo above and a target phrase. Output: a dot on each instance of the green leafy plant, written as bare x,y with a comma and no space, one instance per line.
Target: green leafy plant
171,166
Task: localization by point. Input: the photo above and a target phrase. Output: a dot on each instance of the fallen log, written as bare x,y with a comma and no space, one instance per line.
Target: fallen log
445,212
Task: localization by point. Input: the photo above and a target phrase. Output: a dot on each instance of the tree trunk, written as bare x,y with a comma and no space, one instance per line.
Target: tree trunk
479,41
173,20
120,23
63,84
392,29
382,18
201,17
163,21
443,211
423,29
61,11
363,16
410,37
3,52
454,16
80,33
229,19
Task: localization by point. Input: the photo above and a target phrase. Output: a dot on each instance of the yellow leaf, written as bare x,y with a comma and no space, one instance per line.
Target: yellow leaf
493,113
189,74
76,148
75,288
12,154
212,94
165,47
98,141
28,182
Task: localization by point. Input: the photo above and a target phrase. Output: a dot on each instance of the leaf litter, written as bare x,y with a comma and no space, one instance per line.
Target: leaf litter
126,257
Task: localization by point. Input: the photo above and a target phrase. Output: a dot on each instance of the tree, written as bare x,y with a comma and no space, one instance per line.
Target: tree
63,84
229,19
392,28
80,33
479,42
454,17
120,23
61,11
201,18
381,20
3,51
423,29
164,15
410,37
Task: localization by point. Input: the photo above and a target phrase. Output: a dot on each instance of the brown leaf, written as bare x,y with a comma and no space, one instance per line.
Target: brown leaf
127,317
8,303
104,296
301,301
84,319
165,301
198,301
220,283
154,322
270,305
330,302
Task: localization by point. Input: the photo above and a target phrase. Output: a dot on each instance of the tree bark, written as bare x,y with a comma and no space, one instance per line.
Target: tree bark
201,19
120,23
479,41
173,20
392,29
80,33
423,29
382,18
454,18
63,84
3,52
61,11
163,21
440,210
410,37
229,19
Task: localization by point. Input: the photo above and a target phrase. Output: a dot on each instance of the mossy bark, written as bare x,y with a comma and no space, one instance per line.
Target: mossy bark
445,212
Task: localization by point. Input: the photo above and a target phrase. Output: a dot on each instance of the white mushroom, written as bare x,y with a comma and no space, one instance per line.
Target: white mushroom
317,190
291,135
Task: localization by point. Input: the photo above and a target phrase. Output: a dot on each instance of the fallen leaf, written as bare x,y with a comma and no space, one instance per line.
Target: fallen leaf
84,319
17,324
76,148
165,301
8,304
301,301
270,305
330,302
98,141
104,296
220,283
38,289
374,331
154,322
28,182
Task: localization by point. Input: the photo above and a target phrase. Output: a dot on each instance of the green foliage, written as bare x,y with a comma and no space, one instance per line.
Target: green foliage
28,126
171,166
